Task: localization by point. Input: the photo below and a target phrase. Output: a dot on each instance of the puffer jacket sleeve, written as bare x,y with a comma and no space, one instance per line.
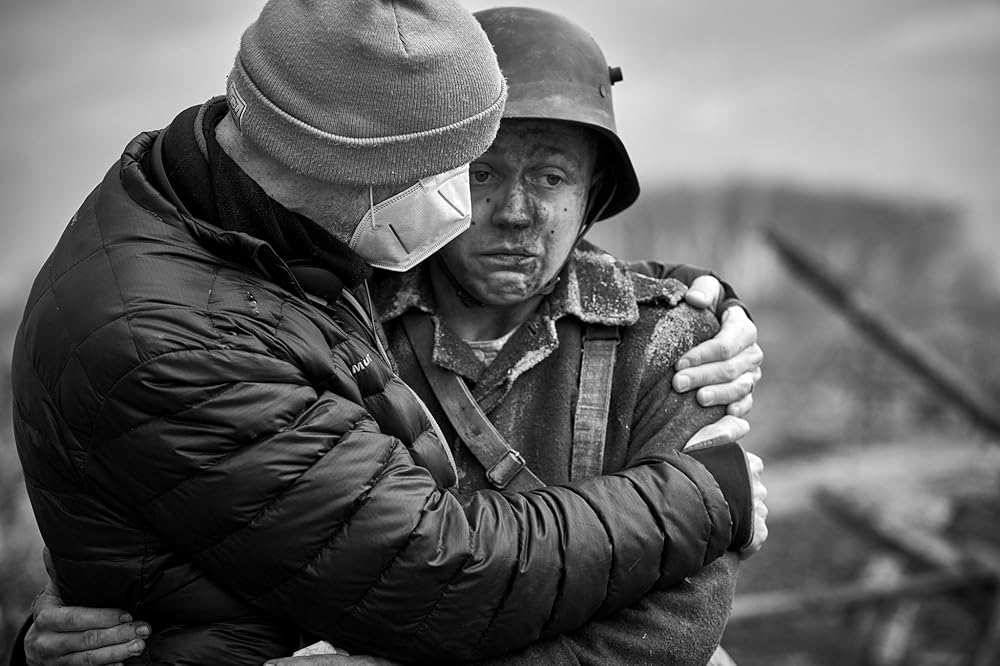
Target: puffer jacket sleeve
679,625
293,499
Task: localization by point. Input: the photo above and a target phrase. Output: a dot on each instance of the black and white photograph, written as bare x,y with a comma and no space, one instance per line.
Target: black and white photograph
386,332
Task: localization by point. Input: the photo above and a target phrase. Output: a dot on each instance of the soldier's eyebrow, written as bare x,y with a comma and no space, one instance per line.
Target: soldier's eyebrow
556,150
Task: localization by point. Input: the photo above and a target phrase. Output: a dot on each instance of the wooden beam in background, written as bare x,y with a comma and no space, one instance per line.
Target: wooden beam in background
952,385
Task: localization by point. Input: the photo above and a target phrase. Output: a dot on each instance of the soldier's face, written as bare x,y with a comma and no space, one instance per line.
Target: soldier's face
529,194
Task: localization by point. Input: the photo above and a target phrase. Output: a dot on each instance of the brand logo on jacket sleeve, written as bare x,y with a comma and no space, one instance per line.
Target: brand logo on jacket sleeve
362,364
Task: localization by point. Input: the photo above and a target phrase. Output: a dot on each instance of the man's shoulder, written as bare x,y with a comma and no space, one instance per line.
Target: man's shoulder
660,326
655,291
599,280
102,307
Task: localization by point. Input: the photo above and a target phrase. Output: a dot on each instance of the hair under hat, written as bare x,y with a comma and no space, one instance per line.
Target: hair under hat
367,91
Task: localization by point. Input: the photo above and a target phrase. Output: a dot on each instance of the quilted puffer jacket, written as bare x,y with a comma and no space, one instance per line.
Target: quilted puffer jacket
211,449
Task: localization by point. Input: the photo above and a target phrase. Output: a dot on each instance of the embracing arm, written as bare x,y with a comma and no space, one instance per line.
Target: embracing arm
682,624
295,501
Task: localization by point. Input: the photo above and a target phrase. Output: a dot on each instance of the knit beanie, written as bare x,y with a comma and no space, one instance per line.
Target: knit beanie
367,91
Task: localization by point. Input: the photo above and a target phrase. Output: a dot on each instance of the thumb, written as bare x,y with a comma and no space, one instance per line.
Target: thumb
724,431
705,292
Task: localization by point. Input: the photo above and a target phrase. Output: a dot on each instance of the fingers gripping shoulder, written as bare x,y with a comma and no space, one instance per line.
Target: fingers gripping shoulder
667,333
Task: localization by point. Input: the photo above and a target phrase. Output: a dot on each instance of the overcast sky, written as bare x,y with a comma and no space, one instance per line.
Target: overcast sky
901,96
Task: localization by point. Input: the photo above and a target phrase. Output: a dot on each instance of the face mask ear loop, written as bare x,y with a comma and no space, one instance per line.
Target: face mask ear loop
468,300
371,205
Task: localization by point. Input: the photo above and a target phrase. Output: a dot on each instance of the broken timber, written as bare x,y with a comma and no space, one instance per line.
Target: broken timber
948,571
931,367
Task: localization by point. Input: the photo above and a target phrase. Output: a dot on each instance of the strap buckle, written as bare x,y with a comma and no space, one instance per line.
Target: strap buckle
506,468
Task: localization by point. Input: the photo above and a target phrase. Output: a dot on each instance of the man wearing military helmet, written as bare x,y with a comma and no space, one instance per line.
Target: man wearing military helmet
520,294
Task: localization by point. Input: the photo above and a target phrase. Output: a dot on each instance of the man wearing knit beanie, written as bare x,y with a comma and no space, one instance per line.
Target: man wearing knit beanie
216,439
367,92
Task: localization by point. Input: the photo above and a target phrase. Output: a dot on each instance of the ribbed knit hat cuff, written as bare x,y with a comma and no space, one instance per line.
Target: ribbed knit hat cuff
358,160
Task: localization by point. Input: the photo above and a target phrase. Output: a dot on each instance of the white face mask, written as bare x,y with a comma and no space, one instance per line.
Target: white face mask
400,232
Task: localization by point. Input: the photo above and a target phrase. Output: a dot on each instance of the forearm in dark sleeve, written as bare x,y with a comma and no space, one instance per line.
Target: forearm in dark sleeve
321,519
680,625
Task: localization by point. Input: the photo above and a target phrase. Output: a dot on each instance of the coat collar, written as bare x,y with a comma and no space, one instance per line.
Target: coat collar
594,288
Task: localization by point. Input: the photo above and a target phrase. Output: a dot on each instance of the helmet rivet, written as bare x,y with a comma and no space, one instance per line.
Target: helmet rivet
604,90
615,73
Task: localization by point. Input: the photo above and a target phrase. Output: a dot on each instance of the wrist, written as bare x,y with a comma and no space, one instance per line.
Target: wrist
727,464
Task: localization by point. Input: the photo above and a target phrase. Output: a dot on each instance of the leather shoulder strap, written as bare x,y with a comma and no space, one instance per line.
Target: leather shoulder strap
590,424
505,467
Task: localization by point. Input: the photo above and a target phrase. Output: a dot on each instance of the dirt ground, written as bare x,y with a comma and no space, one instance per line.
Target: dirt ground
950,487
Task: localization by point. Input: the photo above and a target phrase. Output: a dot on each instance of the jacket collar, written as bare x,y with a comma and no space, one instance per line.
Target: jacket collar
593,288
236,217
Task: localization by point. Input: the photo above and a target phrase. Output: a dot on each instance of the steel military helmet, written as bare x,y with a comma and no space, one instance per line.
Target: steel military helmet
556,71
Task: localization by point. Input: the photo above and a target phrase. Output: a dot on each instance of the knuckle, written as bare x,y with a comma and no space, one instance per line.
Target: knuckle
740,408
734,375
729,348
44,618
732,390
712,375
91,639
698,353
694,359
714,347
730,369
714,395
32,648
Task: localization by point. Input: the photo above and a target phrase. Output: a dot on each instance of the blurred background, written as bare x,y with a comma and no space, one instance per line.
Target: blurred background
866,135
